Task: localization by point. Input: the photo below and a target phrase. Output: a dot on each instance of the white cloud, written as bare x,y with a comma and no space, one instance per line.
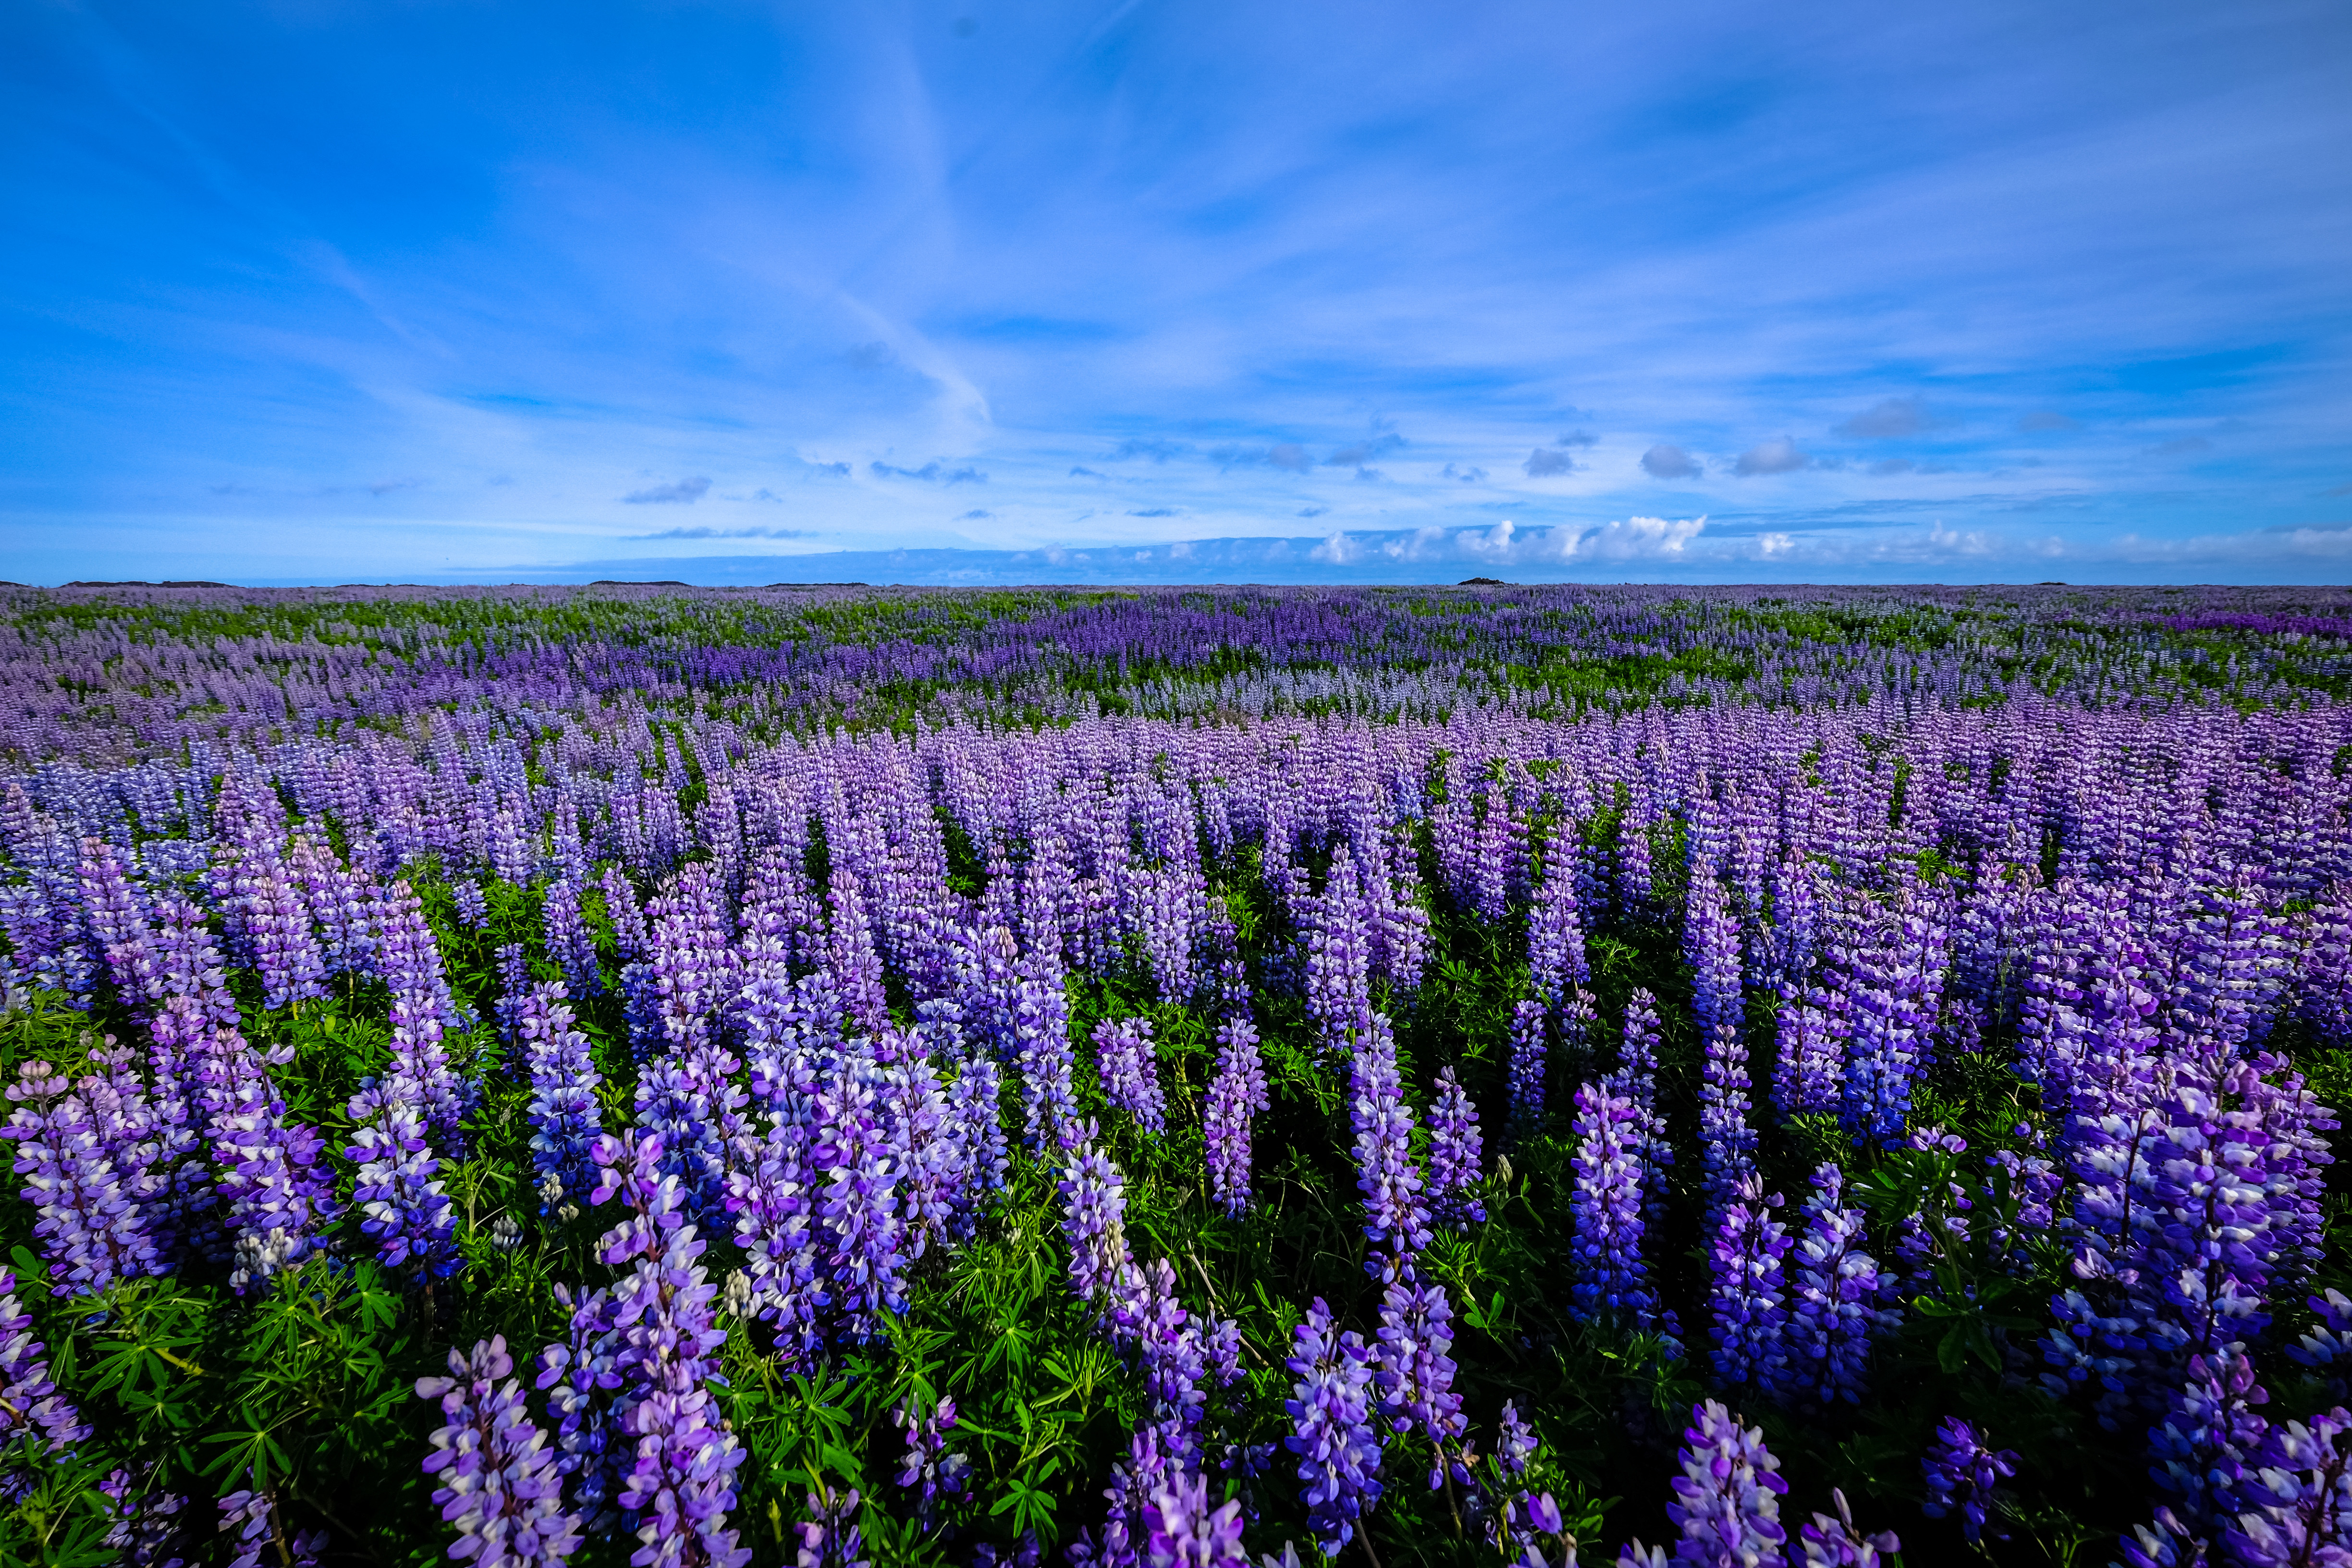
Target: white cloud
1420,544
1336,549
1637,537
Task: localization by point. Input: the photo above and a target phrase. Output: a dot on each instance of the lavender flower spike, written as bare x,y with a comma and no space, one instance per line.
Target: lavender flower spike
1130,1075
499,1483
1727,1499
32,1411
1331,1427
1455,1147
682,1484
1182,1530
1831,1541
1963,1476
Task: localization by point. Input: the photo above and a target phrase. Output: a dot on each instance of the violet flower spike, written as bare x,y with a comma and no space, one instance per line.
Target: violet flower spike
1330,1410
497,1480
1963,1475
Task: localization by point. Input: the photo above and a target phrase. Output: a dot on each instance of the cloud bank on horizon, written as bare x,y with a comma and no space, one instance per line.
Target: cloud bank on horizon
976,293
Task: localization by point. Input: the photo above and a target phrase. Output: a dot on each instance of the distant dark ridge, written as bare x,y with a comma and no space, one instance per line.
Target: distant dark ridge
617,583
1483,583
820,585
135,583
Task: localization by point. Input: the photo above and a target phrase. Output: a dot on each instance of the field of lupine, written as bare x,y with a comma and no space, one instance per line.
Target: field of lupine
1425,1075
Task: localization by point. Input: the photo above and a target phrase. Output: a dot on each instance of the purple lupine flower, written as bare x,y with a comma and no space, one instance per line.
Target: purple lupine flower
1415,1375
2326,1347
976,1106
466,895
1711,947
1135,1476
1236,1095
935,1474
32,1412
146,1531
285,952
1338,952
1831,1541
1518,1442
2167,1544
682,1482
1173,1356
422,1008
2208,1435
1963,1477
1529,1066
2185,1211
250,1517
118,920
570,942
1556,956
692,1103
775,1224
924,1134
408,1216
1610,1278
1833,1289
1331,1415
91,1230
1727,1141
856,1175
582,1385
565,1121
830,1537
630,934
1181,1530
1396,1219
1727,1499
1094,1220
2300,1507
1130,1073
497,1480
1748,1288
1040,1051
1894,989
1455,1149
341,904
280,1202
1635,1082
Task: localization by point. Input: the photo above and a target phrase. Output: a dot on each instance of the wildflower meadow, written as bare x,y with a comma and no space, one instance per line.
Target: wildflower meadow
1423,1076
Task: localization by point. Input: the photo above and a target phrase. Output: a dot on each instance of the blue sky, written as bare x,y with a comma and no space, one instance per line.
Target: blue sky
324,291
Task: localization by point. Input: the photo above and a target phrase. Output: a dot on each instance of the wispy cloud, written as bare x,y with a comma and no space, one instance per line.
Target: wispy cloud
680,492
1887,419
1361,454
723,533
932,472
